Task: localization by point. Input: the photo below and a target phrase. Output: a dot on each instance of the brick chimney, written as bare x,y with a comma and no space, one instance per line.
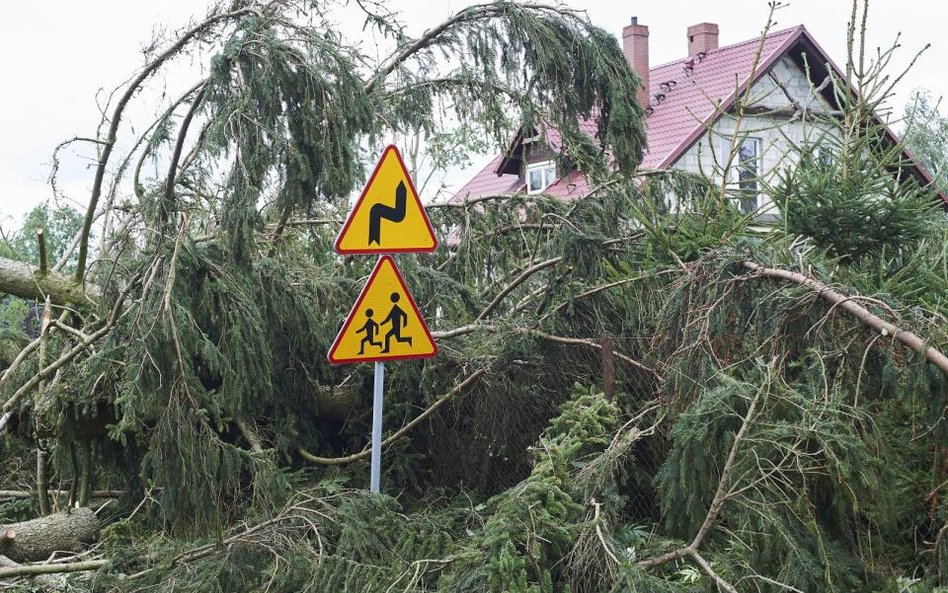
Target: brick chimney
635,47
702,37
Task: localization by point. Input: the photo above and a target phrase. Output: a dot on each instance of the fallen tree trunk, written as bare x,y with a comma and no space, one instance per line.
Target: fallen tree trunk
37,539
23,280
867,318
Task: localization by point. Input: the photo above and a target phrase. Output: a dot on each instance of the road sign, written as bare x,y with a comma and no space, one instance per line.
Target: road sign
384,324
388,217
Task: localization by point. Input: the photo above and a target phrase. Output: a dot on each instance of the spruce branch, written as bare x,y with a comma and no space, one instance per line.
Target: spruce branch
116,119
722,494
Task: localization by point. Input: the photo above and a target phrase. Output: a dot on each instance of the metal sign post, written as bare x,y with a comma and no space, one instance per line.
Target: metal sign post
376,473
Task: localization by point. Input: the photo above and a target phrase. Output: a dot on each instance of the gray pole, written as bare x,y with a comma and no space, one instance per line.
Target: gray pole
376,475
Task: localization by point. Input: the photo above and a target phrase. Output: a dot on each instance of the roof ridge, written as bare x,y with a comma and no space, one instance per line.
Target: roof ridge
773,34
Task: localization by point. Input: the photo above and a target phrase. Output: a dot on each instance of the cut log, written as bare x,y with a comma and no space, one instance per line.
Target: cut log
36,540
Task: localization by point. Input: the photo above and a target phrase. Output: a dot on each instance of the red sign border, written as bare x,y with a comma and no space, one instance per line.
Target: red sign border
365,191
355,307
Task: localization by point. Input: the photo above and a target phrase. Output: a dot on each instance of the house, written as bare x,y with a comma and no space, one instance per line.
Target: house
691,116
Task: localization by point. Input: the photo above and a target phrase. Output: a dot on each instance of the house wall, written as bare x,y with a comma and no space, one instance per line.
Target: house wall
776,102
536,152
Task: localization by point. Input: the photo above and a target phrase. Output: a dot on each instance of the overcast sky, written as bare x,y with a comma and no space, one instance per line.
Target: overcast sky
58,54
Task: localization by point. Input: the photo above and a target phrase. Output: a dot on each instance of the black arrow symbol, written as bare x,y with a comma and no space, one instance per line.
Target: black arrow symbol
380,211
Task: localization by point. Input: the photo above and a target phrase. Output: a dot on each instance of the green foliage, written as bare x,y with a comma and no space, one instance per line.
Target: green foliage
854,205
683,215
211,390
289,107
59,223
532,525
805,466
356,541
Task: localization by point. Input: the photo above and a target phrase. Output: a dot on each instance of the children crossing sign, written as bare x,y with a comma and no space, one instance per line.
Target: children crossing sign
384,323
388,217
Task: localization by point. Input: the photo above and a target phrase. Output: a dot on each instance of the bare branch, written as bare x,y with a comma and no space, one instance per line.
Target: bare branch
13,569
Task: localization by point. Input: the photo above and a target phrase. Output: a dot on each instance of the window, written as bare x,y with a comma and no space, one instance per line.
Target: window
540,176
745,172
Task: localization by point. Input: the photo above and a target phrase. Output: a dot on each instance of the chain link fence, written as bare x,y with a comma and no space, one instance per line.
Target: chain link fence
485,441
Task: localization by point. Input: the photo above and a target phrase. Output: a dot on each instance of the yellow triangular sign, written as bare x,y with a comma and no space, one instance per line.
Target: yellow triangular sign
384,324
388,217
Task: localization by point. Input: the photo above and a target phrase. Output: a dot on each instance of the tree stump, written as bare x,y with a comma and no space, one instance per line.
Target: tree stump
35,540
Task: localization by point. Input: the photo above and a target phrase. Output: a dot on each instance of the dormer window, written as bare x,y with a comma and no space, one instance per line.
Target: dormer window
540,176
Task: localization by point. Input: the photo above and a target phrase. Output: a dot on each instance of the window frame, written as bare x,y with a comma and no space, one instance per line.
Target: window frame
744,180
547,171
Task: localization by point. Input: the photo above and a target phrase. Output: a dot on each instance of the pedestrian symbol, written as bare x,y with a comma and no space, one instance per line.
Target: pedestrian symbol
369,328
401,333
388,217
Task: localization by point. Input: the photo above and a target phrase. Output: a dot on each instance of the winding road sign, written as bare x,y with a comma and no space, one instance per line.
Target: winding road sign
388,217
384,323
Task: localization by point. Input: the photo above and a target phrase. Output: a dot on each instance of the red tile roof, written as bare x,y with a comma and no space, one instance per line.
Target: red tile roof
487,182
687,95
692,90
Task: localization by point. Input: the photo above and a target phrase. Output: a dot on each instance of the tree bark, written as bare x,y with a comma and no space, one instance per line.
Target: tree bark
37,539
23,280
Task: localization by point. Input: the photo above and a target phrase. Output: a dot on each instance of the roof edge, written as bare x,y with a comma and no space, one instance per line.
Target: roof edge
728,47
752,77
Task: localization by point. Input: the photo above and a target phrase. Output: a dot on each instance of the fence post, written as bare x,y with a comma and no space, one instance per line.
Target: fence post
608,366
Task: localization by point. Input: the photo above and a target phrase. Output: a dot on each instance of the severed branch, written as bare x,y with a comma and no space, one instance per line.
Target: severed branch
589,344
292,511
400,432
607,548
515,283
910,339
8,568
41,239
7,495
475,327
210,549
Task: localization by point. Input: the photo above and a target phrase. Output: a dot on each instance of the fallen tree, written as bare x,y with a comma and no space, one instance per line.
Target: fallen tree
23,280
735,444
